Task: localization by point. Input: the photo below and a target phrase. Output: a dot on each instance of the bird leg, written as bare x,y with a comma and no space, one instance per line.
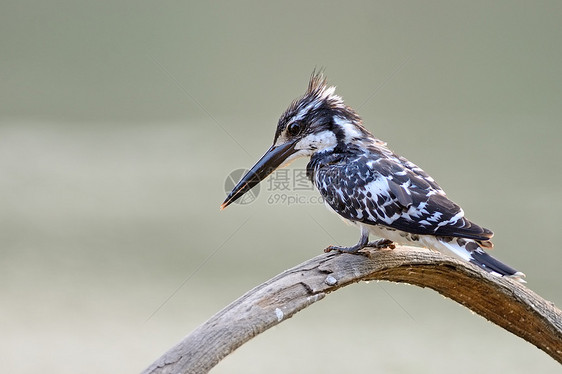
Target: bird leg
381,243
363,242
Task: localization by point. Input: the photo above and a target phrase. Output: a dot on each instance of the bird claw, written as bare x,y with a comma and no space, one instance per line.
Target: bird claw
381,244
351,250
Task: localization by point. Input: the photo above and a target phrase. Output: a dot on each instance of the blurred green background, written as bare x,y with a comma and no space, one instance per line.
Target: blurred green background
120,121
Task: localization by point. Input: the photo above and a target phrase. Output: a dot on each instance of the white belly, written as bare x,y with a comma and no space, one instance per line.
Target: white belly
425,241
406,238
397,236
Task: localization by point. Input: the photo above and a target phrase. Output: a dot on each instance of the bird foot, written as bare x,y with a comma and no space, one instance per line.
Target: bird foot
355,250
381,244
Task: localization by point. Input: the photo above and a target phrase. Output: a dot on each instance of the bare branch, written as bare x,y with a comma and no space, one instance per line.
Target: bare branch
502,301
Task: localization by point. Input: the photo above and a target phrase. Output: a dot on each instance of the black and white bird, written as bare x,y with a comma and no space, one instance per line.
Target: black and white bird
367,184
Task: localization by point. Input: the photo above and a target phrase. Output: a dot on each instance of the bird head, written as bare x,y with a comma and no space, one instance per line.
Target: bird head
319,121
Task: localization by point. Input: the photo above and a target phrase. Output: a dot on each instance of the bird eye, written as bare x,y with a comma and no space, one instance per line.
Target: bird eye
294,128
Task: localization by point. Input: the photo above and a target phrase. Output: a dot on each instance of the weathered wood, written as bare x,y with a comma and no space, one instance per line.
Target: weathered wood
502,301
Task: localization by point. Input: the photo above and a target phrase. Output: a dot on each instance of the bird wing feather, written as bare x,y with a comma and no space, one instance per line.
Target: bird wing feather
393,192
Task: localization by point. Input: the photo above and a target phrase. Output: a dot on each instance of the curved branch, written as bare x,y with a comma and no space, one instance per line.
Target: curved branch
502,301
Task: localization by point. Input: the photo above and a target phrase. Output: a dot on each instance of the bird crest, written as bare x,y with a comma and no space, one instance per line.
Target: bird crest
318,100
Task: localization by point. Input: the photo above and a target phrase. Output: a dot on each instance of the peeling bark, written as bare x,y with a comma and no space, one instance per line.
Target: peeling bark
505,302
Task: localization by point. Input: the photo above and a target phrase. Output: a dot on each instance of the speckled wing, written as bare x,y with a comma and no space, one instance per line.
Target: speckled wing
393,192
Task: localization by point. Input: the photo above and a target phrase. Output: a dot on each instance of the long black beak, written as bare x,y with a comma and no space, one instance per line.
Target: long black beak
270,161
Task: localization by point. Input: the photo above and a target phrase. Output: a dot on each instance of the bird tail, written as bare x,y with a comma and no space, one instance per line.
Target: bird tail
472,251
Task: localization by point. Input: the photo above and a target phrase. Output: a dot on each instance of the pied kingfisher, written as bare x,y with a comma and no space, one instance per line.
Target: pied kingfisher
367,184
